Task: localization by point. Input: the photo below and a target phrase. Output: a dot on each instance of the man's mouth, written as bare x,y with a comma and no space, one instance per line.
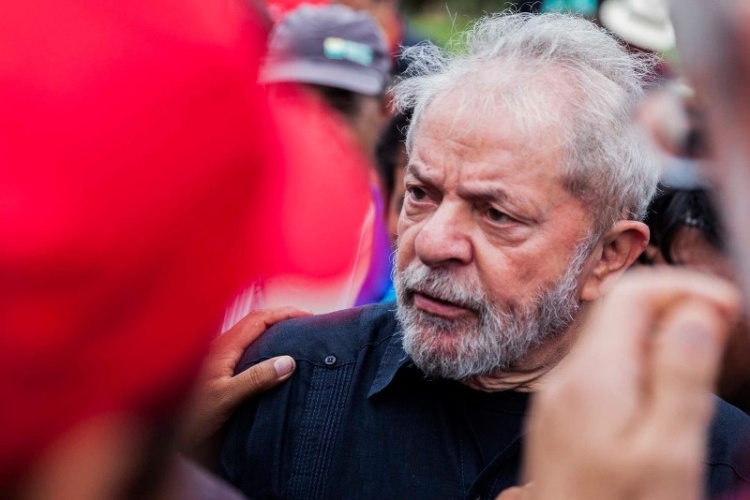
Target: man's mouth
439,307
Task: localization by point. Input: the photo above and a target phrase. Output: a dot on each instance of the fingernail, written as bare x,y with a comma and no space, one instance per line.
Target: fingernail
695,336
283,366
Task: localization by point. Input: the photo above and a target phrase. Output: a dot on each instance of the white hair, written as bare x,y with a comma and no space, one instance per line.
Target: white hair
523,63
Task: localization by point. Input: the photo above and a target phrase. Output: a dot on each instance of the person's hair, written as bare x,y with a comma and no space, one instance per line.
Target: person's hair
386,152
675,209
524,63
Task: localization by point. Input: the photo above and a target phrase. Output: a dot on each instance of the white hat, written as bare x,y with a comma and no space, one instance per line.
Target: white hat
643,23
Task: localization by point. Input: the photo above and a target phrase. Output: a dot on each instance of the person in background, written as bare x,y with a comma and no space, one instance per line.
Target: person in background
392,160
327,69
686,232
645,27
385,12
341,55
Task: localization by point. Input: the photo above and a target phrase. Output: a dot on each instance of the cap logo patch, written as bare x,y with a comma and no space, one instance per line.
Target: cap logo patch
347,50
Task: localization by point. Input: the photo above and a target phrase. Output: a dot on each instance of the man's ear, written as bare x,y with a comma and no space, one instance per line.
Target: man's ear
615,252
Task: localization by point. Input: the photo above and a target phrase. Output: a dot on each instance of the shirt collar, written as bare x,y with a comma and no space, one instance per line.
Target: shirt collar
393,360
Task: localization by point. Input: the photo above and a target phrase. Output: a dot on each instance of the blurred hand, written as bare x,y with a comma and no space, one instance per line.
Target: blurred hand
627,414
220,391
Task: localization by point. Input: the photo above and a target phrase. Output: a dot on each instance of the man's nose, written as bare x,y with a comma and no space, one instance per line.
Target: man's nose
445,237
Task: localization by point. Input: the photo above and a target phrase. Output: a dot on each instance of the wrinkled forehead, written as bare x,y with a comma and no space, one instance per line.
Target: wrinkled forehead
486,122
481,150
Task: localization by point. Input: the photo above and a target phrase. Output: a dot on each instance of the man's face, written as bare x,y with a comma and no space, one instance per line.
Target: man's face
490,246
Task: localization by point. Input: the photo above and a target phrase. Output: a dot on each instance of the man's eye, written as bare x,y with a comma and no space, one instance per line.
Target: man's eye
497,216
416,193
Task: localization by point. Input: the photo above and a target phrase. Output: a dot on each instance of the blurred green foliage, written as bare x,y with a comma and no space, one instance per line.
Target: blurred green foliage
439,20
469,7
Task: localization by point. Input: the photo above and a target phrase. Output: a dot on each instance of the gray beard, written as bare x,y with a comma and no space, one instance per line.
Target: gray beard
490,339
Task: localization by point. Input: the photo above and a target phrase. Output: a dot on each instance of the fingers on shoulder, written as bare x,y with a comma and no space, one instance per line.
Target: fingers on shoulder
261,377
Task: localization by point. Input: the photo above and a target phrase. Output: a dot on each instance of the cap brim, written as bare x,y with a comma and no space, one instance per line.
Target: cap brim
616,17
361,80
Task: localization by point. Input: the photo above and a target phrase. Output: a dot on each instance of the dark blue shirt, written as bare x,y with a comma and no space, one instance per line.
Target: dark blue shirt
359,420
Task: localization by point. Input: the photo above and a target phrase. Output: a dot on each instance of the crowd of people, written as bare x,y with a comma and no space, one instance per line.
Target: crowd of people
279,249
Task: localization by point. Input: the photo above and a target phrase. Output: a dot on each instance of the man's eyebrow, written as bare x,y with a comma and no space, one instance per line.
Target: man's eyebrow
486,192
492,193
413,169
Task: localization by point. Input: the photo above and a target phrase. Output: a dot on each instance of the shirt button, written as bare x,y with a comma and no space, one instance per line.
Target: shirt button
330,360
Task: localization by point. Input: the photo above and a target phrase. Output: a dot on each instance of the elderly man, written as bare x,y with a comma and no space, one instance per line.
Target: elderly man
505,241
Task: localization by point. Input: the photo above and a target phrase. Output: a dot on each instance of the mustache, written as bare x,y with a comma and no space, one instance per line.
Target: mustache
440,284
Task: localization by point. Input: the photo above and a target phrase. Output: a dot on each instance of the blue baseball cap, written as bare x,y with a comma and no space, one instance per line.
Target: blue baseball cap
329,45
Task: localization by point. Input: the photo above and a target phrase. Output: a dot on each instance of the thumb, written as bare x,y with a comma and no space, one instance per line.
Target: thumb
259,378
686,359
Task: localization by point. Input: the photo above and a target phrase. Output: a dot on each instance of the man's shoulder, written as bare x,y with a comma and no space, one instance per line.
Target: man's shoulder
729,443
341,334
729,424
